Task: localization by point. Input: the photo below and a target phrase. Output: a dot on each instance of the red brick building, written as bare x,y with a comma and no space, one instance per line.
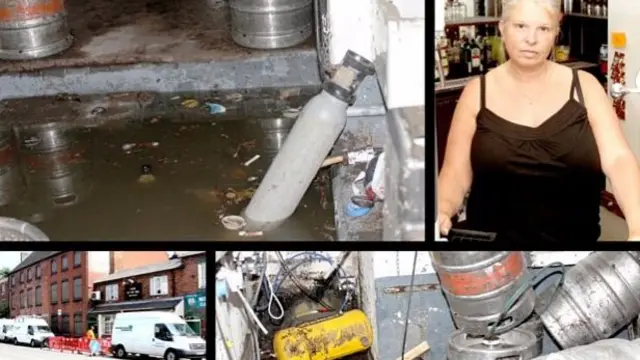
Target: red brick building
177,285
57,285
4,296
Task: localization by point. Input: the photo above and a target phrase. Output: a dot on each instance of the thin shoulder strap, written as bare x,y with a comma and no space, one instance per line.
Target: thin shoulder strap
576,88
483,91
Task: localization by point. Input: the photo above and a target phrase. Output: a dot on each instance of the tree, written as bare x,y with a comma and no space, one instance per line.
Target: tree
4,310
4,305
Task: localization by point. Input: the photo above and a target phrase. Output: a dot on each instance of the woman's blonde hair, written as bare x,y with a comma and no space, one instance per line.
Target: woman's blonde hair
553,6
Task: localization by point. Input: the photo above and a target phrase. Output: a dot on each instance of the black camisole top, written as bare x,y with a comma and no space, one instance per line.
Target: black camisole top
533,185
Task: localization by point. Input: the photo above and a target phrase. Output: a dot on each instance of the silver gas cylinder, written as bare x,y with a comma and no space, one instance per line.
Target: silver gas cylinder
600,295
517,344
608,349
478,285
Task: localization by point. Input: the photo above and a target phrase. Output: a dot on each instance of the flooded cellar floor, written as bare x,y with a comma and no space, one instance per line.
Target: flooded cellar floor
144,166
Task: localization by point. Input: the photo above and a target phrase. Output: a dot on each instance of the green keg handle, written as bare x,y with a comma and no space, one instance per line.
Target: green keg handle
531,281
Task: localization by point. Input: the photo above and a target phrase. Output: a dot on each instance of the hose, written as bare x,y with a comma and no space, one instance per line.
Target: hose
300,287
273,299
252,313
531,281
406,318
311,255
274,289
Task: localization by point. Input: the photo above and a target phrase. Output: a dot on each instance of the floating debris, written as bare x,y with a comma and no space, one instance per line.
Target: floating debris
291,113
175,98
147,176
190,103
233,222
98,111
252,160
215,108
129,147
235,97
250,233
252,178
247,145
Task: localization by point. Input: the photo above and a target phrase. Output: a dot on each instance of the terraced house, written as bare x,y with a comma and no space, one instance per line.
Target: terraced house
58,285
4,297
177,285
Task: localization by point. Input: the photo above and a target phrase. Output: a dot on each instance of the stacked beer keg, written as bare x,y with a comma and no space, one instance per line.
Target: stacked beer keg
495,311
479,287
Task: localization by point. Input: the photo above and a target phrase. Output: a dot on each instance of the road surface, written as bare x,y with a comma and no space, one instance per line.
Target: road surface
13,352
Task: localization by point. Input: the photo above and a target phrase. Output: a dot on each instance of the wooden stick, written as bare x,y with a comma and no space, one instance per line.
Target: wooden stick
332,160
416,351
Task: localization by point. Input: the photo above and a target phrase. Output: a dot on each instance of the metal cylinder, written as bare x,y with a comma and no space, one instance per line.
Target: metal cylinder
54,164
600,295
31,29
17,230
478,285
534,324
516,344
350,333
271,24
275,132
609,349
11,185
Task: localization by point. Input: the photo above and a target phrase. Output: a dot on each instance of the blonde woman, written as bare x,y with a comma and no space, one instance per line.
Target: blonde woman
532,141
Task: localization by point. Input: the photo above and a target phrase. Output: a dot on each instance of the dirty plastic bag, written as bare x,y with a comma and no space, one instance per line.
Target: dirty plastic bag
609,349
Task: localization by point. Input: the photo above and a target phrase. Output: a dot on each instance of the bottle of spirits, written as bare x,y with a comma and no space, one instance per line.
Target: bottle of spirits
475,65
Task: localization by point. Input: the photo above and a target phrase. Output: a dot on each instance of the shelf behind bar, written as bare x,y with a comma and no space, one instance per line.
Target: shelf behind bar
457,84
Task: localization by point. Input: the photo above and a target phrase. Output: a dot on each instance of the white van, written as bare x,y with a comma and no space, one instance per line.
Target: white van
6,330
31,330
157,334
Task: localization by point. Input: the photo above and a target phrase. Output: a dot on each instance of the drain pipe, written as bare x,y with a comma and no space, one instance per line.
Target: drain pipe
313,135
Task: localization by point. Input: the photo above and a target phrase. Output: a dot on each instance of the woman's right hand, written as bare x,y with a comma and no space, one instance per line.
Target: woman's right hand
444,223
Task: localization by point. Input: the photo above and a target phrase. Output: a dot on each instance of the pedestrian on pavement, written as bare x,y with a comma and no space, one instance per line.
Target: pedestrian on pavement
94,345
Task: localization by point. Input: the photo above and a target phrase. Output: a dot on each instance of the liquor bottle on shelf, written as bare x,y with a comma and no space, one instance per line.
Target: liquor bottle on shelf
474,66
436,75
443,55
597,8
487,48
465,50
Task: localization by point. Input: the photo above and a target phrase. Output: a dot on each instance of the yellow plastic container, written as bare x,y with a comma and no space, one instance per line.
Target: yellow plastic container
326,339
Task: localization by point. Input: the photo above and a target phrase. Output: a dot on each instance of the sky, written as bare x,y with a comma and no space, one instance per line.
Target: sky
9,259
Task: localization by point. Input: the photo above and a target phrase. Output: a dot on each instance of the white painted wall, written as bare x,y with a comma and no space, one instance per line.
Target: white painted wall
623,17
439,15
400,263
399,44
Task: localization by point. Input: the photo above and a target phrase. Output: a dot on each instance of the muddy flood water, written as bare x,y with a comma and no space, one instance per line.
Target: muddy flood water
140,166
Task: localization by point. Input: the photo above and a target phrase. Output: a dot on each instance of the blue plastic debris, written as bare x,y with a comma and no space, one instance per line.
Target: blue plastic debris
215,108
221,289
353,210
